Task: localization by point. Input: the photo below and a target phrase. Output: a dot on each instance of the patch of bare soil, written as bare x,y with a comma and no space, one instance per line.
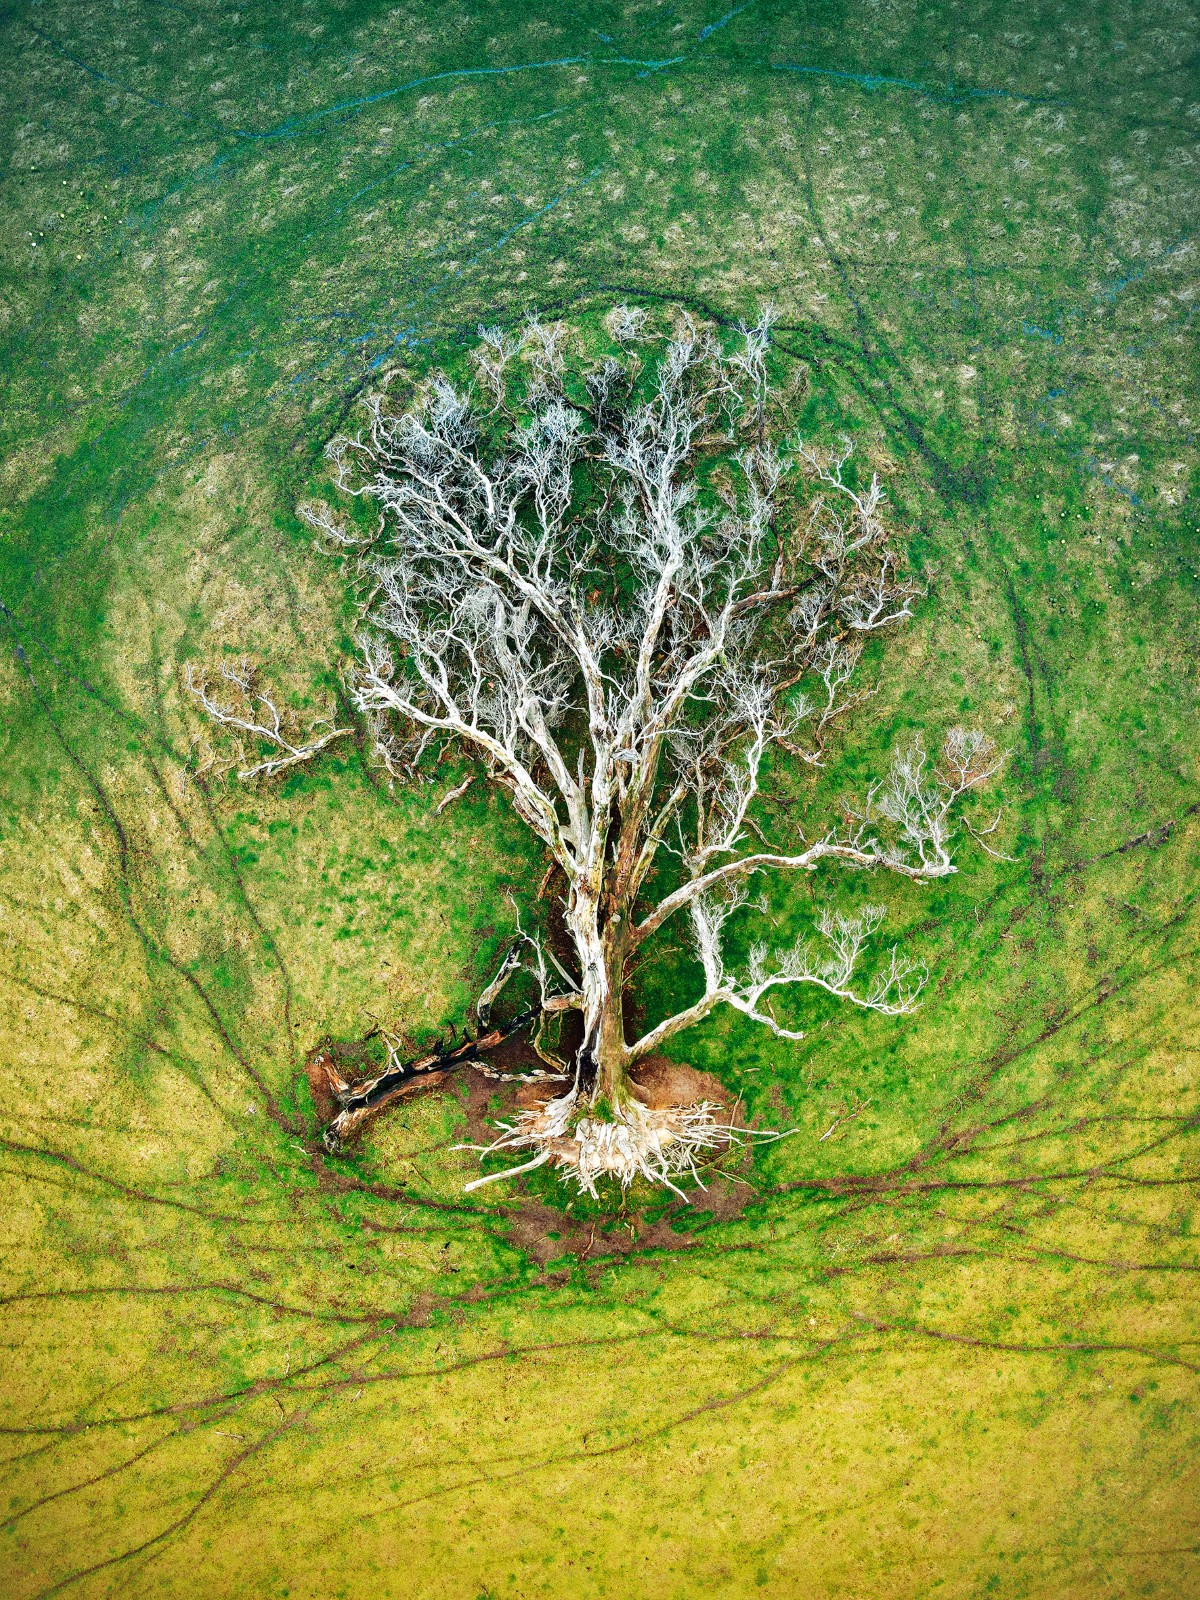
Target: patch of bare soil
326,1069
660,1083
319,1068
657,1082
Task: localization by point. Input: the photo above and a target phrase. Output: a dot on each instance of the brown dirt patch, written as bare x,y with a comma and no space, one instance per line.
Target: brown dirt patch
549,1236
488,1098
323,1078
659,1083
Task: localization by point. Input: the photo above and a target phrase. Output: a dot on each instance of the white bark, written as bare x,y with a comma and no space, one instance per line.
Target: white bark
248,711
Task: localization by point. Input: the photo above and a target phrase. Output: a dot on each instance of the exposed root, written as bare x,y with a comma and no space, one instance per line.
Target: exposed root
659,1144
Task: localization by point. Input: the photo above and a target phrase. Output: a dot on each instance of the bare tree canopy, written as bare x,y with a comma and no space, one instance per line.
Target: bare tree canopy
620,589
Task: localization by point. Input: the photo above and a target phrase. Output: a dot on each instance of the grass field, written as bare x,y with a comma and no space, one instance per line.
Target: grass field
943,1340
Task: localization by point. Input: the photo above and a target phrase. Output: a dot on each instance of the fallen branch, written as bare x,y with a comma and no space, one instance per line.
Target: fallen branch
455,794
361,1101
254,713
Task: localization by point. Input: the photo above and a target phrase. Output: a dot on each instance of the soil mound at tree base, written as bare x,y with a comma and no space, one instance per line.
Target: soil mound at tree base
657,1082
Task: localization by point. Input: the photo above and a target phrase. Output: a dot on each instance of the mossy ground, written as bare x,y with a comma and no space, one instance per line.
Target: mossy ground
948,1346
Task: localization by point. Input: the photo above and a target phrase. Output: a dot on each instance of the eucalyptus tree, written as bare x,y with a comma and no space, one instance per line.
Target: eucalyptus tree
620,590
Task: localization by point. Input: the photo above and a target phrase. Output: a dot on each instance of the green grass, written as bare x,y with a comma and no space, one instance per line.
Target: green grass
946,1345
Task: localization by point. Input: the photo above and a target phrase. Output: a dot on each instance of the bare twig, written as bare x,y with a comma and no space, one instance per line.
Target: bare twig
251,711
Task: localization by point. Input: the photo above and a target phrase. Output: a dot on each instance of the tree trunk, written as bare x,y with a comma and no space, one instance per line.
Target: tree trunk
609,1054
603,1054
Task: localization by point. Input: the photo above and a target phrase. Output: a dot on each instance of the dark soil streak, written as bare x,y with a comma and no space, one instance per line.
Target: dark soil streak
87,1483
635,1441
231,1466
126,879
62,1159
1024,1347
183,1289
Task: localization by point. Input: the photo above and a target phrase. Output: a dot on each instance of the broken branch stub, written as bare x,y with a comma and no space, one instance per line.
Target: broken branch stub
361,1101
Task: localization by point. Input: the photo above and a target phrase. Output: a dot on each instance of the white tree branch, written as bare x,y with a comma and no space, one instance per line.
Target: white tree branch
623,607
256,714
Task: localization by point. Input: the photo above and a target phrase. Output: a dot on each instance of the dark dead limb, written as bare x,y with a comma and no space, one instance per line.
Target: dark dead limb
360,1102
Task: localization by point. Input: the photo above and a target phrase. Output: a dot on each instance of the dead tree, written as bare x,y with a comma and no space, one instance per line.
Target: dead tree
618,591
